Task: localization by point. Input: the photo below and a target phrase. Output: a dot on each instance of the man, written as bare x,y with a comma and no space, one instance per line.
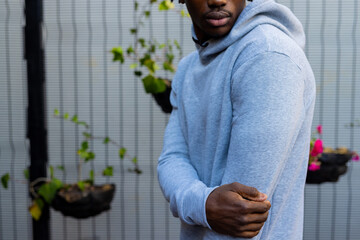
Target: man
238,136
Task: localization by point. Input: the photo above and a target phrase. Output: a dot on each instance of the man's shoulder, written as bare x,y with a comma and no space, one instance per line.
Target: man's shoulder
268,35
266,38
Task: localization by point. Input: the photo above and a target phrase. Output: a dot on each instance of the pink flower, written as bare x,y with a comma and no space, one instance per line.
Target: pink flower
318,148
319,129
314,167
356,158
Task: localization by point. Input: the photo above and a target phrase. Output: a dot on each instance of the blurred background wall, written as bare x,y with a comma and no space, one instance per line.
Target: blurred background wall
81,78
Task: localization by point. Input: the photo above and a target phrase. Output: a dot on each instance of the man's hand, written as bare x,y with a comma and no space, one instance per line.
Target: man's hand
237,210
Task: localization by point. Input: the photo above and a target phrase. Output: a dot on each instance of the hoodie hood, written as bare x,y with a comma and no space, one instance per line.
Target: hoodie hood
256,13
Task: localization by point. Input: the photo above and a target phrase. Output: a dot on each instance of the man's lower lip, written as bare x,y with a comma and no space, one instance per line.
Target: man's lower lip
218,22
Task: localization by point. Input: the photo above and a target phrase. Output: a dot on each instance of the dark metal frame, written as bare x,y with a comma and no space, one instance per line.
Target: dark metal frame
36,117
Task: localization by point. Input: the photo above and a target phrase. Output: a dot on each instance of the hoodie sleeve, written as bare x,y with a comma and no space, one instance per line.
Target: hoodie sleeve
268,112
178,179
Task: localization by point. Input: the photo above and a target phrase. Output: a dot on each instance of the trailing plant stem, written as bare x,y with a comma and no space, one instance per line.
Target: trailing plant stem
32,185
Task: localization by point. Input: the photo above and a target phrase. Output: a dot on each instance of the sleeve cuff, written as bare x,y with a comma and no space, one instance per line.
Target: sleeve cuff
194,205
209,190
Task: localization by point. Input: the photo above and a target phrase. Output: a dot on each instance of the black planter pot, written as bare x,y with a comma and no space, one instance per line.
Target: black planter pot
163,100
333,165
335,158
83,204
326,173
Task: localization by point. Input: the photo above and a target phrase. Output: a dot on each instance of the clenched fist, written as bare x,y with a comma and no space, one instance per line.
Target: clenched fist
237,210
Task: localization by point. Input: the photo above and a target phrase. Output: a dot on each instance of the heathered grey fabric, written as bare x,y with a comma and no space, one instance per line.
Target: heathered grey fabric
243,108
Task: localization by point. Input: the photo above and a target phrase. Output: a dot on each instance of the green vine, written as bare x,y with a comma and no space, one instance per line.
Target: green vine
148,55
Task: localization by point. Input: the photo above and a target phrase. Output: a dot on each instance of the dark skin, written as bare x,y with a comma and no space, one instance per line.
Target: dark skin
213,18
232,209
237,210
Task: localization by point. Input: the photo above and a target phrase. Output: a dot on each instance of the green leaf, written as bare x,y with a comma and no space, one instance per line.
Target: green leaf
51,168
81,185
57,183
84,145
5,180
136,5
135,170
147,13
133,66
170,57
56,112
82,153
152,48
153,85
61,167
161,46
138,73
87,135
48,190
130,50
122,152
118,54
90,156
26,173
152,1
176,43
311,144
92,176
108,171
151,65
74,119
184,13
144,59
166,5
168,67
106,140
66,116
39,202
142,42
82,123
133,30
134,160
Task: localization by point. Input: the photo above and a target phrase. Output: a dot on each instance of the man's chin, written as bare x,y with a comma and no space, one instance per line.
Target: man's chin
218,35
220,31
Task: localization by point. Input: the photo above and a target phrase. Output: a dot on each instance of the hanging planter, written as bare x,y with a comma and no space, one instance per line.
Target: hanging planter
327,164
332,166
89,202
163,98
83,198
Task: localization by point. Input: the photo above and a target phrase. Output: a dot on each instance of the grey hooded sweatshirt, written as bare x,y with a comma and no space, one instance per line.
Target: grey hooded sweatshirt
242,112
